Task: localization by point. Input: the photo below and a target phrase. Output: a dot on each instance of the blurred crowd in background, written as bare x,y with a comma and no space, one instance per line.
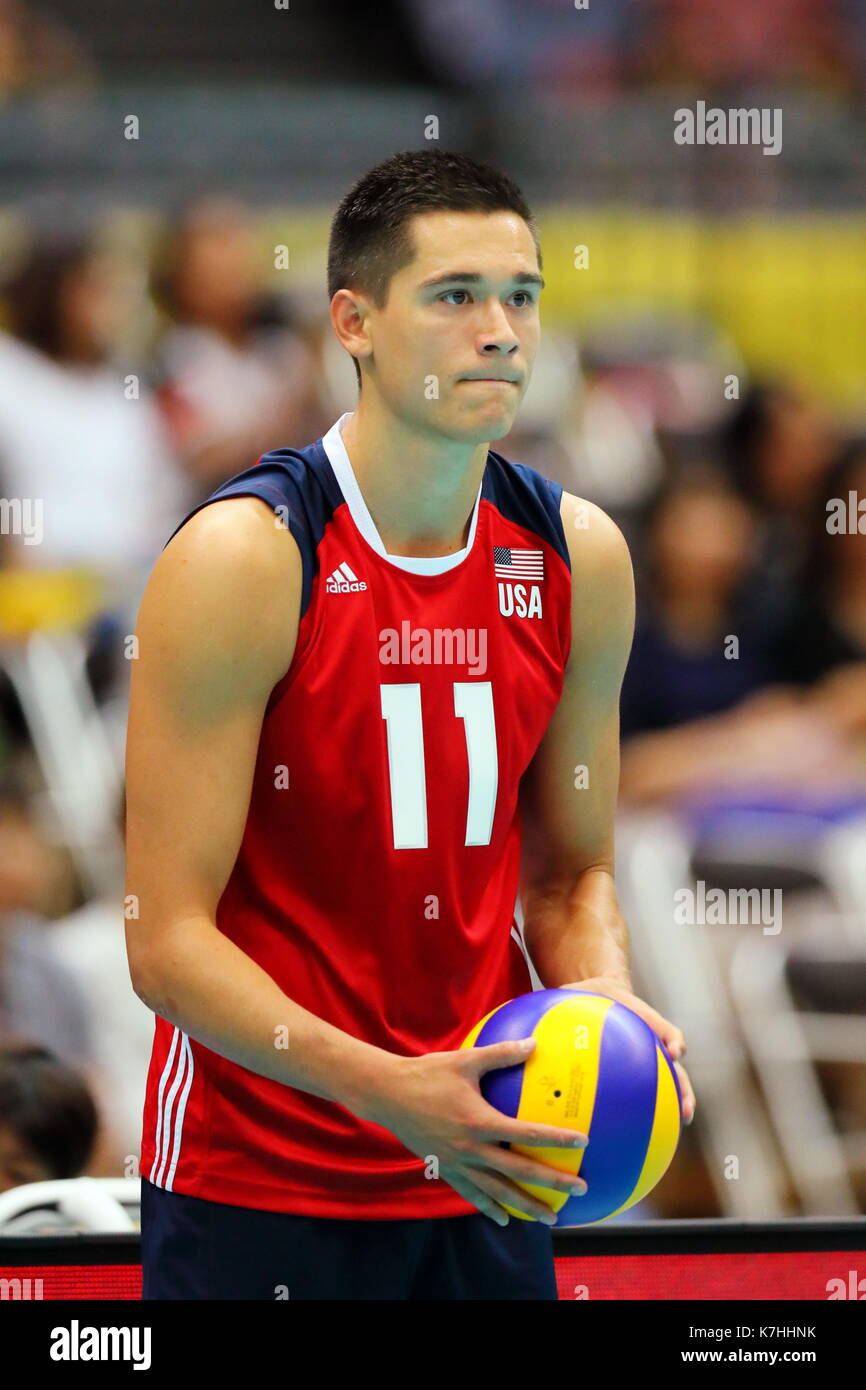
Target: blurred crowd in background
615,46
747,678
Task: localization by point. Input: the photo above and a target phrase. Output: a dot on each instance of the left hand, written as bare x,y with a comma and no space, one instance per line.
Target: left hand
671,1036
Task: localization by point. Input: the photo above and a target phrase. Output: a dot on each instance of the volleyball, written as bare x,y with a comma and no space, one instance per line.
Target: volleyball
597,1068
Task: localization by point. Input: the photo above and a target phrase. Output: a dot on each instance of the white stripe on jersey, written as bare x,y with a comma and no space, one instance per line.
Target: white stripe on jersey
166,1071
181,1058
178,1124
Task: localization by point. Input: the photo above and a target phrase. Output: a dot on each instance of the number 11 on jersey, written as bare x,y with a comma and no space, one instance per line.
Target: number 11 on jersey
401,710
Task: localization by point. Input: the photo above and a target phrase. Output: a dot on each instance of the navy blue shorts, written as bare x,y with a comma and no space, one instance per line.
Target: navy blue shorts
192,1248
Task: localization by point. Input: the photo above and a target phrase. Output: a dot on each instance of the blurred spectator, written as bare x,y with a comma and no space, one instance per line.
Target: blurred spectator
236,378
90,944
38,997
43,996
807,748
48,1130
101,464
48,1120
779,446
826,628
697,723
38,51
699,542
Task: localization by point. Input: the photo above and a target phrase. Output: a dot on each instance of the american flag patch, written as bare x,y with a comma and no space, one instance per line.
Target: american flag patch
509,563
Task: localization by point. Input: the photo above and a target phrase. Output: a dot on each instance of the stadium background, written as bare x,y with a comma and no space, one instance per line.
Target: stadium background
167,176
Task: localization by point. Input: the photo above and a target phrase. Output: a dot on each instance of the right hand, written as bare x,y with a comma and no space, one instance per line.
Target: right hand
433,1104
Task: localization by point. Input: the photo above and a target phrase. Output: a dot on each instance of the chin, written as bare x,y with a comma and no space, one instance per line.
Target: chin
482,425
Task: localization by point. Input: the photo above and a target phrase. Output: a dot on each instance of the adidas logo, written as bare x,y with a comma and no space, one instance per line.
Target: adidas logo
343,581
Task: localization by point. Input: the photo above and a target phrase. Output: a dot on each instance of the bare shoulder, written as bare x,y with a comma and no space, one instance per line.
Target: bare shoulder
226,591
602,578
595,542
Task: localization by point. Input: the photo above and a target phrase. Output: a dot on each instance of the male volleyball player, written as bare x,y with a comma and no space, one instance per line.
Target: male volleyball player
352,673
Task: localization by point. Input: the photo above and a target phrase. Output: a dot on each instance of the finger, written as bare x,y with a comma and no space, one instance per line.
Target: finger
503,1129
518,1168
477,1197
672,1037
685,1082
504,1191
687,1092
670,1034
502,1054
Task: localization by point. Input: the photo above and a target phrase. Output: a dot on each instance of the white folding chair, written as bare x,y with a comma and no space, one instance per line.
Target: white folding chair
682,976
95,1204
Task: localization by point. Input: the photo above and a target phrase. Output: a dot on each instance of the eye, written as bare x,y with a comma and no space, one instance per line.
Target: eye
448,293
525,294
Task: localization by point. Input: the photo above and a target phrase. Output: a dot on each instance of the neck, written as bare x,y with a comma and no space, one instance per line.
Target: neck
419,488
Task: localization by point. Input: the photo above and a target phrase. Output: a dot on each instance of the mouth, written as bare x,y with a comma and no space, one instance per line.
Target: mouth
490,380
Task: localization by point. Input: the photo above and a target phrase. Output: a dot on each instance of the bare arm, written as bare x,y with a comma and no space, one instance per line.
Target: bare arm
573,925
212,644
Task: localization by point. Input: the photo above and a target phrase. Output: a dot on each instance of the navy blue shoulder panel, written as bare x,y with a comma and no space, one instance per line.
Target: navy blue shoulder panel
300,487
526,497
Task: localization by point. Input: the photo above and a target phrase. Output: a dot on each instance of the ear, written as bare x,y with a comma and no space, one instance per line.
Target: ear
350,317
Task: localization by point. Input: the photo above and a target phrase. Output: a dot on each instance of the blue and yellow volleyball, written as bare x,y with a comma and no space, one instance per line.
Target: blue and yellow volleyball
597,1068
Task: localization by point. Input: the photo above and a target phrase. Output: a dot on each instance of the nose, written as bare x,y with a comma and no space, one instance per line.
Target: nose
497,333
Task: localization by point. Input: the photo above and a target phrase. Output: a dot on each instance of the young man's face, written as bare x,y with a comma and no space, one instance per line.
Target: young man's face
455,343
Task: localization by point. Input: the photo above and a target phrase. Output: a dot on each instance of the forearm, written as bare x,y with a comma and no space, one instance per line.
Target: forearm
574,930
210,989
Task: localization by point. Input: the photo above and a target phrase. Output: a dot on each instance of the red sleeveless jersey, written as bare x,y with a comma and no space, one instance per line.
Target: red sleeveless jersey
377,878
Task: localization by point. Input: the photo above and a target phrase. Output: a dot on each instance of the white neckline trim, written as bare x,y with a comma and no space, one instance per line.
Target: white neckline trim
339,460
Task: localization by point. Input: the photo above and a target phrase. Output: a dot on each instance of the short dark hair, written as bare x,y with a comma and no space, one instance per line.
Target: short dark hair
370,239
47,1105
